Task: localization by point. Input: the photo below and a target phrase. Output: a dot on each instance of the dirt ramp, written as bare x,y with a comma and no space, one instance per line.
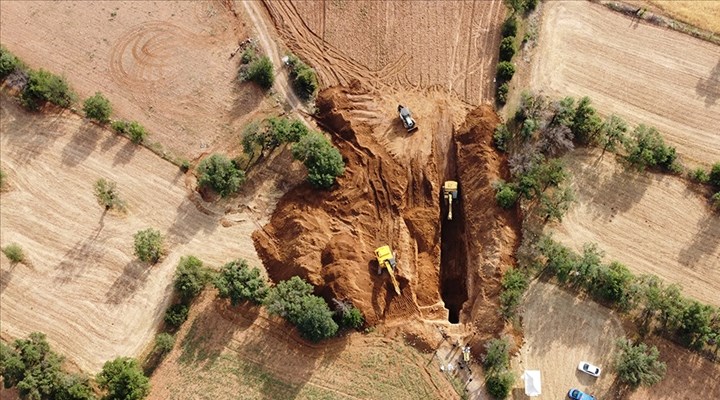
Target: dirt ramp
328,237
491,233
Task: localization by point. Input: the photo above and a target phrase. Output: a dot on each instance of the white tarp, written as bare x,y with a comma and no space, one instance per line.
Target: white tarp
532,383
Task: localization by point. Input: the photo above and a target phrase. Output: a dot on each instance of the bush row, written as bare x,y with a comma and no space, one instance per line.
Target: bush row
499,379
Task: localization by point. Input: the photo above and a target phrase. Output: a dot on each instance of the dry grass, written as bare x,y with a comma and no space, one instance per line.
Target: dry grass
702,14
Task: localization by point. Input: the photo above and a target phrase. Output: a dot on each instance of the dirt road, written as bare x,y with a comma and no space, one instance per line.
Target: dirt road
423,46
83,286
652,223
640,72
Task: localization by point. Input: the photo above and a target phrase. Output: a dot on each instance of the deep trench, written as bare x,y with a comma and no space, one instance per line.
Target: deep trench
453,251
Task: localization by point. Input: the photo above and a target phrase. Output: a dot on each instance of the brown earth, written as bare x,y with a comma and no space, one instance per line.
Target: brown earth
652,223
424,46
239,352
82,285
165,64
634,70
390,194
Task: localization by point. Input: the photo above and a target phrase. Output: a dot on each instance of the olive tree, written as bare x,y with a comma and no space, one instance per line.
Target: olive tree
98,108
239,282
323,161
190,278
638,365
220,174
122,379
149,245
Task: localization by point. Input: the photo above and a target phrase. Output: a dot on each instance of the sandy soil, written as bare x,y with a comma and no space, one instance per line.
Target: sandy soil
165,64
650,222
239,352
634,70
562,330
419,45
82,285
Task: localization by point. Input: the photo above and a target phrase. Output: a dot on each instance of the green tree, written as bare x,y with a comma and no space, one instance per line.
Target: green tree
497,356
502,92
672,307
514,283
699,175
516,6
564,113
321,159
284,298
613,284
502,137
505,194
714,178
43,86
98,108
505,71
304,78
148,245
646,148
122,379
715,201
134,130
499,384
107,194
638,365
586,122
220,174
350,316
509,27
239,282
190,278
612,133
176,315
507,49
14,253
8,63
164,343
696,324
261,71
315,322
554,205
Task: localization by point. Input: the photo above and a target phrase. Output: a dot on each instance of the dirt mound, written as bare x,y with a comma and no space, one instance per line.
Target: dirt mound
390,198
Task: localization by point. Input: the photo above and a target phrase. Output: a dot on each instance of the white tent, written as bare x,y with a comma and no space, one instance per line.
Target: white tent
532,383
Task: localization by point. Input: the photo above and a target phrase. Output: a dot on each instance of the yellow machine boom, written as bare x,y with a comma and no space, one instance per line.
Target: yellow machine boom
386,259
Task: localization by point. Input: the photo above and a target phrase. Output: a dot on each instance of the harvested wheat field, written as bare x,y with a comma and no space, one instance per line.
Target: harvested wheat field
703,14
165,64
425,46
238,352
82,285
652,223
560,331
640,72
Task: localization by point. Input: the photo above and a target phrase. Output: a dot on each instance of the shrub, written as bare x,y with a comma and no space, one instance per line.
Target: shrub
638,365
3,178
500,384
14,253
148,245
497,356
107,194
699,175
554,205
715,200
612,283
164,342
586,123
505,194
509,27
647,149
123,379
185,166
261,72
176,315
612,133
239,282
505,71
350,316
44,86
714,177
97,108
507,49
8,63
502,137
190,278
514,284
220,174
321,159
134,130
304,78
502,92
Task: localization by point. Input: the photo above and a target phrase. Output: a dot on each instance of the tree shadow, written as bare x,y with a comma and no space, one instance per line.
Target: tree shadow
192,217
133,277
110,141
85,252
704,244
6,276
709,87
125,153
248,97
28,136
82,144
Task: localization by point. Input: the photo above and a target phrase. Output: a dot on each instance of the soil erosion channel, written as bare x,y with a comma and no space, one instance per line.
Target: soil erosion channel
448,270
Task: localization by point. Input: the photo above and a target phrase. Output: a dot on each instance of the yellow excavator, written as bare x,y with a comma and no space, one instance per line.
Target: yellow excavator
386,259
450,193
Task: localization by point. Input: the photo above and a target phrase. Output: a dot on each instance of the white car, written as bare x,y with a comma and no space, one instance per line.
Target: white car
589,369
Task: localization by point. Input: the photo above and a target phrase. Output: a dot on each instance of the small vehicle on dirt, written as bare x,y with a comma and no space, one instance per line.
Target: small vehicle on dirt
578,395
406,118
589,369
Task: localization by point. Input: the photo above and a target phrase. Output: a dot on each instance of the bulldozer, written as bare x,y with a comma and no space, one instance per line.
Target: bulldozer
406,118
450,193
386,259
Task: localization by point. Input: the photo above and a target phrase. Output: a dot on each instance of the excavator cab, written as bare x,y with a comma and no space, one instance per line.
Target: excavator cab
450,194
406,118
386,259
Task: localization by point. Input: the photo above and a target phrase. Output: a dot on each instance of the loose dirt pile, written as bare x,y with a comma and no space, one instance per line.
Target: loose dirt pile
394,198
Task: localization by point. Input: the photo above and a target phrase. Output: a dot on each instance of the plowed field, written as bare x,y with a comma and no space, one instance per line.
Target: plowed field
640,72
